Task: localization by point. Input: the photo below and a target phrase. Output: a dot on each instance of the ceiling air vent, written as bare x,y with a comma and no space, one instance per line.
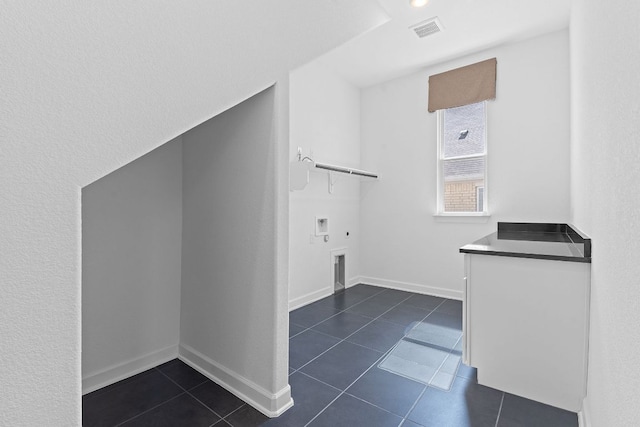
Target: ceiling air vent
427,28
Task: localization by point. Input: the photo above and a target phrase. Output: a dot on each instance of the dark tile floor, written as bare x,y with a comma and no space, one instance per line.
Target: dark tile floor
335,347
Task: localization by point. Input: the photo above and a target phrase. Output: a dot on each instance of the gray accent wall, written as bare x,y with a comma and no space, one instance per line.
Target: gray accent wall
230,322
131,266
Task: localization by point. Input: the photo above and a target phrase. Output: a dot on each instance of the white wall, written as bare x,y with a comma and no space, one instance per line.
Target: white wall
132,243
605,59
325,121
87,88
402,244
229,325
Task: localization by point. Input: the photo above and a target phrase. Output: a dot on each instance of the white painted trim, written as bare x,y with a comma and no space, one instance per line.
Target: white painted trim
412,287
353,281
584,417
270,404
309,298
115,373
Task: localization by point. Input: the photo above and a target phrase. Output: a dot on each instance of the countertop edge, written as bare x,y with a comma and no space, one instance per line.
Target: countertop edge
584,260
522,231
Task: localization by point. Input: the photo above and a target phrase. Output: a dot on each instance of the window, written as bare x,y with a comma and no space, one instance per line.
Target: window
462,160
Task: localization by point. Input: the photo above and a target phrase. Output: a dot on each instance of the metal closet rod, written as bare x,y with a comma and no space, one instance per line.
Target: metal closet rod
350,171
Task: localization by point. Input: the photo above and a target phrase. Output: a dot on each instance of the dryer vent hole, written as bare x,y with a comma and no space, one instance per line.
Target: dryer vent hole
338,273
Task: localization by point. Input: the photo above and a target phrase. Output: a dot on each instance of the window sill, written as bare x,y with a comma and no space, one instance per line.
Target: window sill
472,217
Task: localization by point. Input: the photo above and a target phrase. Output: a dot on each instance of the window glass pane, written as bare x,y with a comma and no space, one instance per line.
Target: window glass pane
462,180
464,132
463,169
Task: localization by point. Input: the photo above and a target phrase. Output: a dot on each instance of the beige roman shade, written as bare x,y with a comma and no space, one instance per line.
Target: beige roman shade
463,86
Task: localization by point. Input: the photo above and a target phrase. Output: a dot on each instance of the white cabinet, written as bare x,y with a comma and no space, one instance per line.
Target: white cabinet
526,326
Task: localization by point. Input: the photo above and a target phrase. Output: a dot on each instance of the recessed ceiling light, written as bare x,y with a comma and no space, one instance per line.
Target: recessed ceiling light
418,3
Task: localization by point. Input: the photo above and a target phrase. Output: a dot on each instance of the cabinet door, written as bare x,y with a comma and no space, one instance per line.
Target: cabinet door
527,327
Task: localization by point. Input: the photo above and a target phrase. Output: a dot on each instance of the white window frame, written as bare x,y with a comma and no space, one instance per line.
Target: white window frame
480,189
440,169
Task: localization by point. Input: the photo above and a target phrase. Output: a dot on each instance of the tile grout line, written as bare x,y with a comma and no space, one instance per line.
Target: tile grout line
184,391
344,391
374,405
223,420
415,403
442,364
234,411
354,332
367,324
188,393
426,387
335,314
431,310
320,381
430,313
499,410
372,365
150,409
206,406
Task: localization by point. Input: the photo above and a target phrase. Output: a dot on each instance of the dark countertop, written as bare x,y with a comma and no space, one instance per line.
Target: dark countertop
561,242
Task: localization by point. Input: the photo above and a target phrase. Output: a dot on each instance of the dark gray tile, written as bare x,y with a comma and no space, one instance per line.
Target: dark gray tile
120,383
352,296
342,365
221,401
184,410
295,329
409,423
393,296
451,306
181,373
247,417
521,412
127,399
309,396
371,308
342,325
291,370
364,290
345,300
386,390
424,301
311,314
347,411
307,345
447,320
378,335
468,404
405,314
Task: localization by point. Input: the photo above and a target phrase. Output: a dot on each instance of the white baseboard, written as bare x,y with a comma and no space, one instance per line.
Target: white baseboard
270,404
309,298
353,281
318,295
115,373
412,287
584,419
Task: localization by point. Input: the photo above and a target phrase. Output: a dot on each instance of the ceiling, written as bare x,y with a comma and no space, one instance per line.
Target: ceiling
392,49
